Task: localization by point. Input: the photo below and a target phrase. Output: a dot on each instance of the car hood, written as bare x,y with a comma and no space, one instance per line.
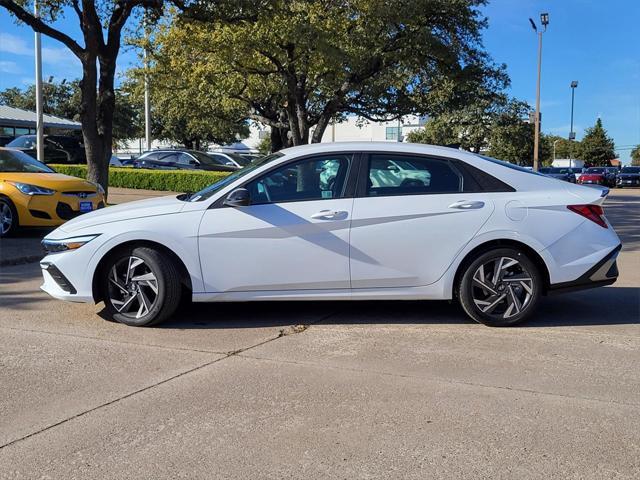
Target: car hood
125,211
54,181
629,175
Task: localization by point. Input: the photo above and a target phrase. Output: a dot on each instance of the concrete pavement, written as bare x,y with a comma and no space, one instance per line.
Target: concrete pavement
325,390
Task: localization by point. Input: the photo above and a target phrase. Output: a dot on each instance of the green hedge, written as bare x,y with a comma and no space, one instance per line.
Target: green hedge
166,180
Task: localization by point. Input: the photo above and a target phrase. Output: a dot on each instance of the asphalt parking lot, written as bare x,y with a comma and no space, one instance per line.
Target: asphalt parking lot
325,390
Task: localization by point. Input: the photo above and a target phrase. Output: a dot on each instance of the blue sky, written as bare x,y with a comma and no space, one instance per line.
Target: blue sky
593,41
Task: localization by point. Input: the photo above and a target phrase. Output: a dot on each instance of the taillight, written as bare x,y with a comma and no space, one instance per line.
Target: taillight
591,212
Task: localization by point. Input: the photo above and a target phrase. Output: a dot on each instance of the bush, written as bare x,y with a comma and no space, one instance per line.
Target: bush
164,180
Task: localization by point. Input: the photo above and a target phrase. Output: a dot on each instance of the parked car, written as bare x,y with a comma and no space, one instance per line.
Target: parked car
232,159
628,177
565,174
116,161
33,195
611,174
174,159
490,234
577,171
595,176
57,148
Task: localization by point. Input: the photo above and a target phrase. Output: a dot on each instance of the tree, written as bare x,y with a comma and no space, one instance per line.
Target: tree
59,98
101,24
63,99
597,147
497,125
635,156
564,148
301,64
512,137
184,119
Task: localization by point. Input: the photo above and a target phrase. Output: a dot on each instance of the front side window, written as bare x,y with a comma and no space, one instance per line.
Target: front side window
315,178
408,175
185,159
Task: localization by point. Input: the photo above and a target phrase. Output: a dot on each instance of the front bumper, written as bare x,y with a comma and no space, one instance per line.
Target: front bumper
603,273
53,210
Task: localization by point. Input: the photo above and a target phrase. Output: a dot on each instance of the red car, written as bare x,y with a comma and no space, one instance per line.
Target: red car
594,175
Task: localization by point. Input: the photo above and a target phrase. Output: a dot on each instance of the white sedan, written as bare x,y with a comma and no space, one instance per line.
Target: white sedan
343,221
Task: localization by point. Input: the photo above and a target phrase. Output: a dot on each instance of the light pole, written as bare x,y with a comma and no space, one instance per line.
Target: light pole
39,106
572,134
544,20
147,94
554,149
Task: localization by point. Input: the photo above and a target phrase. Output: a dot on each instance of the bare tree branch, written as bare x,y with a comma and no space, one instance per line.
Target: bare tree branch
39,26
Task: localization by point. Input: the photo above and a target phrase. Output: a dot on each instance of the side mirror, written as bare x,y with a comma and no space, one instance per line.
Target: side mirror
238,198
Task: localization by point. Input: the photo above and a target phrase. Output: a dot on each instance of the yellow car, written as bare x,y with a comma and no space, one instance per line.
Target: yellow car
33,195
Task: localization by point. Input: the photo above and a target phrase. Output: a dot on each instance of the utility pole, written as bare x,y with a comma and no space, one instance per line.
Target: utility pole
572,134
147,95
544,19
39,106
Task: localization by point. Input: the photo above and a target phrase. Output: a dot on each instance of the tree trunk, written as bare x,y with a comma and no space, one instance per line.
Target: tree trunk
96,116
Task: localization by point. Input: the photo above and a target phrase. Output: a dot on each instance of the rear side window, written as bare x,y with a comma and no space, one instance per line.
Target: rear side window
411,175
475,180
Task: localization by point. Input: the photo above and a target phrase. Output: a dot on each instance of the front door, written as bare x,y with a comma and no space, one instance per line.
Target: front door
410,220
293,236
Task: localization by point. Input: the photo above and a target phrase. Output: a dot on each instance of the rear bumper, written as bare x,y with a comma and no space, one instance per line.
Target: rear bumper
603,273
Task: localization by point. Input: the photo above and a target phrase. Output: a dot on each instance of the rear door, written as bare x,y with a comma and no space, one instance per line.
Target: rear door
410,219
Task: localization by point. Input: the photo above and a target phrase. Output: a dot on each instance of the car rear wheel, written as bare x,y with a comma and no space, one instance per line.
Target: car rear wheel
500,288
8,217
140,287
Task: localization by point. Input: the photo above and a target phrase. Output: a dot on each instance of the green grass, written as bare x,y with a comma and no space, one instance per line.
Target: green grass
162,180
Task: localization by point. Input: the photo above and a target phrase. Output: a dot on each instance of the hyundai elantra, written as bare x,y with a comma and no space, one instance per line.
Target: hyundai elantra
343,221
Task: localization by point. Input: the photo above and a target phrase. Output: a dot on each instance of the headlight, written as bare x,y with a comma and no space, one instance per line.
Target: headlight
65,244
32,189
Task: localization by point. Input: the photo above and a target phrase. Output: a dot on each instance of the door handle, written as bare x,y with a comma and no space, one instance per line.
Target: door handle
467,204
329,214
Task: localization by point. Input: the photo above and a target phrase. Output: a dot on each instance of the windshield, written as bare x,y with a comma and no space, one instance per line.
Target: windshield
595,170
240,160
25,141
18,162
630,170
216,187
203,157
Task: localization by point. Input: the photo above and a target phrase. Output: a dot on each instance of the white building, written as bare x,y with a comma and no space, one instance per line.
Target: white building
568,163
353,129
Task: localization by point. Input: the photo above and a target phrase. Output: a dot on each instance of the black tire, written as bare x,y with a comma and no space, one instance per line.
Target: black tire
514,291
9,229
167,282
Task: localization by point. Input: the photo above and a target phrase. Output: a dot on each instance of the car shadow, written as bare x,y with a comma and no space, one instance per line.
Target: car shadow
603,306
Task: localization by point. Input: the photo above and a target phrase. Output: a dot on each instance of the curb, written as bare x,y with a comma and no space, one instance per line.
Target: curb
10,262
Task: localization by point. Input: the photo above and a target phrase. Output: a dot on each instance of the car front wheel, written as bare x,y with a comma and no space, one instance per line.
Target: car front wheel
500,288
8,217
140,287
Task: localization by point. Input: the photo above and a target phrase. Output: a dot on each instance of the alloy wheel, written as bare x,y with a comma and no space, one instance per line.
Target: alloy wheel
133,287
502,287
6,218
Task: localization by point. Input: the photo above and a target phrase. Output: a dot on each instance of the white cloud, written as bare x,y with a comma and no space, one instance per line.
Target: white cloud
10,67
18,46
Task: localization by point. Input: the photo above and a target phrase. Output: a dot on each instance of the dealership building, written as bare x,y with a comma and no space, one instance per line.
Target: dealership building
15,122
